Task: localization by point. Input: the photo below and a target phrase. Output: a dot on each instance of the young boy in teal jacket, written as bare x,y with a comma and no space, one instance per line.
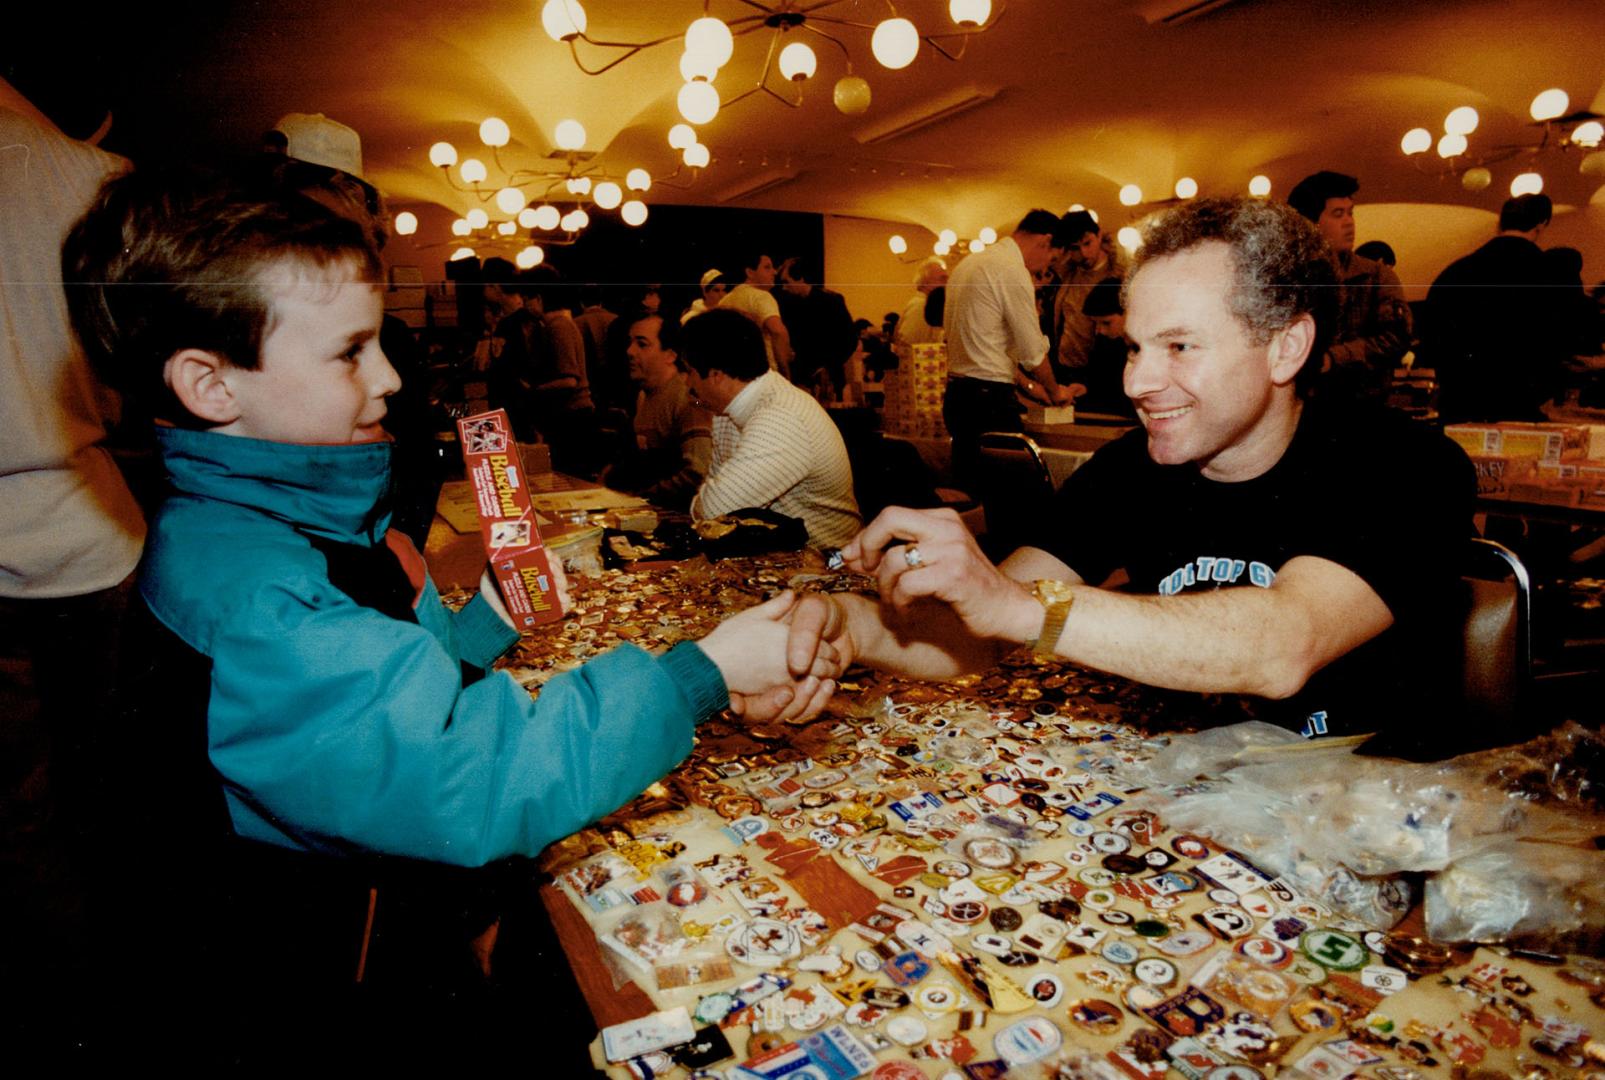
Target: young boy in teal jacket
340,709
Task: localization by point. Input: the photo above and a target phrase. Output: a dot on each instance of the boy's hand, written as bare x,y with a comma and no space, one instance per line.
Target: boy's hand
493,596
750,650
493,593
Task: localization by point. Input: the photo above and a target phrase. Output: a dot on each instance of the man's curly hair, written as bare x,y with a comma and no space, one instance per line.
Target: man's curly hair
1281,266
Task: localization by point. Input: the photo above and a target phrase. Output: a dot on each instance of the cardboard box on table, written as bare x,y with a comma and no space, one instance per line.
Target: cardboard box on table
914,392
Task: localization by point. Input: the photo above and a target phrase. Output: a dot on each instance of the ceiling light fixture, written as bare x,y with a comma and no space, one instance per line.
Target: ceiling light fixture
1561,131
709,43
571,180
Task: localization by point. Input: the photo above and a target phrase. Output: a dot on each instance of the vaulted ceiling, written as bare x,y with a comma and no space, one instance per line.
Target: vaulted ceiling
1070,99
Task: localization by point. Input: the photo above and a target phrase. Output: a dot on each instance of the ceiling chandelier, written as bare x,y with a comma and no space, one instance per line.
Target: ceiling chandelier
524,198
710,43
1561,130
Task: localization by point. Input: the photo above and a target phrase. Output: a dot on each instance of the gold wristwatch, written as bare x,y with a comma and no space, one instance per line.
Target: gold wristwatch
1055,598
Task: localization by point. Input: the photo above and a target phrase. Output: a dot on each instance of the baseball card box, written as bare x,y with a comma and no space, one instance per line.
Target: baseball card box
519,559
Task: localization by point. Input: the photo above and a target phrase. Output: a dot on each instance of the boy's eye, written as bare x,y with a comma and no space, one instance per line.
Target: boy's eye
351,354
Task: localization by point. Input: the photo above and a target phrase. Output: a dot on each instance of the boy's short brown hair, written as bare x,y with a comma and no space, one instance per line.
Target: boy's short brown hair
166,260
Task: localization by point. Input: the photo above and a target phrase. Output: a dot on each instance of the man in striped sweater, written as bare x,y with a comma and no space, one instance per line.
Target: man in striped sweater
773,445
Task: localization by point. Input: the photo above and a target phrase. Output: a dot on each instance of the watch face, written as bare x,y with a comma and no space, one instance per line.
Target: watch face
1052,592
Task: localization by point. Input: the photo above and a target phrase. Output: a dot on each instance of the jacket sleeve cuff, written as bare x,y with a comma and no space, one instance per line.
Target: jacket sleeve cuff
697,677
481,634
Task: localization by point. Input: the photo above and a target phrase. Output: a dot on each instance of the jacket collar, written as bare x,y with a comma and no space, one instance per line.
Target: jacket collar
745,405
338,492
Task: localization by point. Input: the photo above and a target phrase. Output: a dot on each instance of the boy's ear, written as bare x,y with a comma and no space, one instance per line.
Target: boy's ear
198,380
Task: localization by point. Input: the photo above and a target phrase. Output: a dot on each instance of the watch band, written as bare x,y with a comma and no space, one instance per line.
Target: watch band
1056,599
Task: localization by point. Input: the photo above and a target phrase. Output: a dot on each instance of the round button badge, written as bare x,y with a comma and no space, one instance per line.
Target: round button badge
1154,971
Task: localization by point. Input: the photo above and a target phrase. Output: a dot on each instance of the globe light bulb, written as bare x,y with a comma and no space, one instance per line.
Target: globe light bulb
976,247
581,219
712,39
694,66
506,228
1093,214
798,62
510,200
1550,104
1260,186
1186,187
988,235
494,132
443,155
529,258
477,218
897,244
472,171
1528,183
1129,238
570,223
406,223
1416,141
851,95
1130,195
1476,179
697,156
698,101
547,217
1074,207
633,212
638,180
1451,145
578,185
1461,121
570,134
682,136
970,12
948,237
607,195
563,19
1589,134
895,43
460,227
462,253
527,218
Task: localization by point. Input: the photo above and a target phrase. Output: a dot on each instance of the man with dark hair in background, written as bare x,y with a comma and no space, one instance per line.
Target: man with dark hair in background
1106,362
1258,533
561,389
673,434
774,446
518,345
1489,328
1373,329
754,298
994,342
822,332
1086,261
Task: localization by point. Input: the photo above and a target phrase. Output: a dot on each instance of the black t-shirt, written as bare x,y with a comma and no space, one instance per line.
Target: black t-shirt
1368,489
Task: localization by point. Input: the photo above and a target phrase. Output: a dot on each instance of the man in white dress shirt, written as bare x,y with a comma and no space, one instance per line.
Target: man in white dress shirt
995,341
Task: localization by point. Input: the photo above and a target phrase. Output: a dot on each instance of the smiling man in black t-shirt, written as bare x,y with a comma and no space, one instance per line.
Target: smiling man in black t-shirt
1271,548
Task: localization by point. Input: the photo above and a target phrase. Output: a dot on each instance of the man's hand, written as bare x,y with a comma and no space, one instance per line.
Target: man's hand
818,619
946,565
750,650
1066,394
